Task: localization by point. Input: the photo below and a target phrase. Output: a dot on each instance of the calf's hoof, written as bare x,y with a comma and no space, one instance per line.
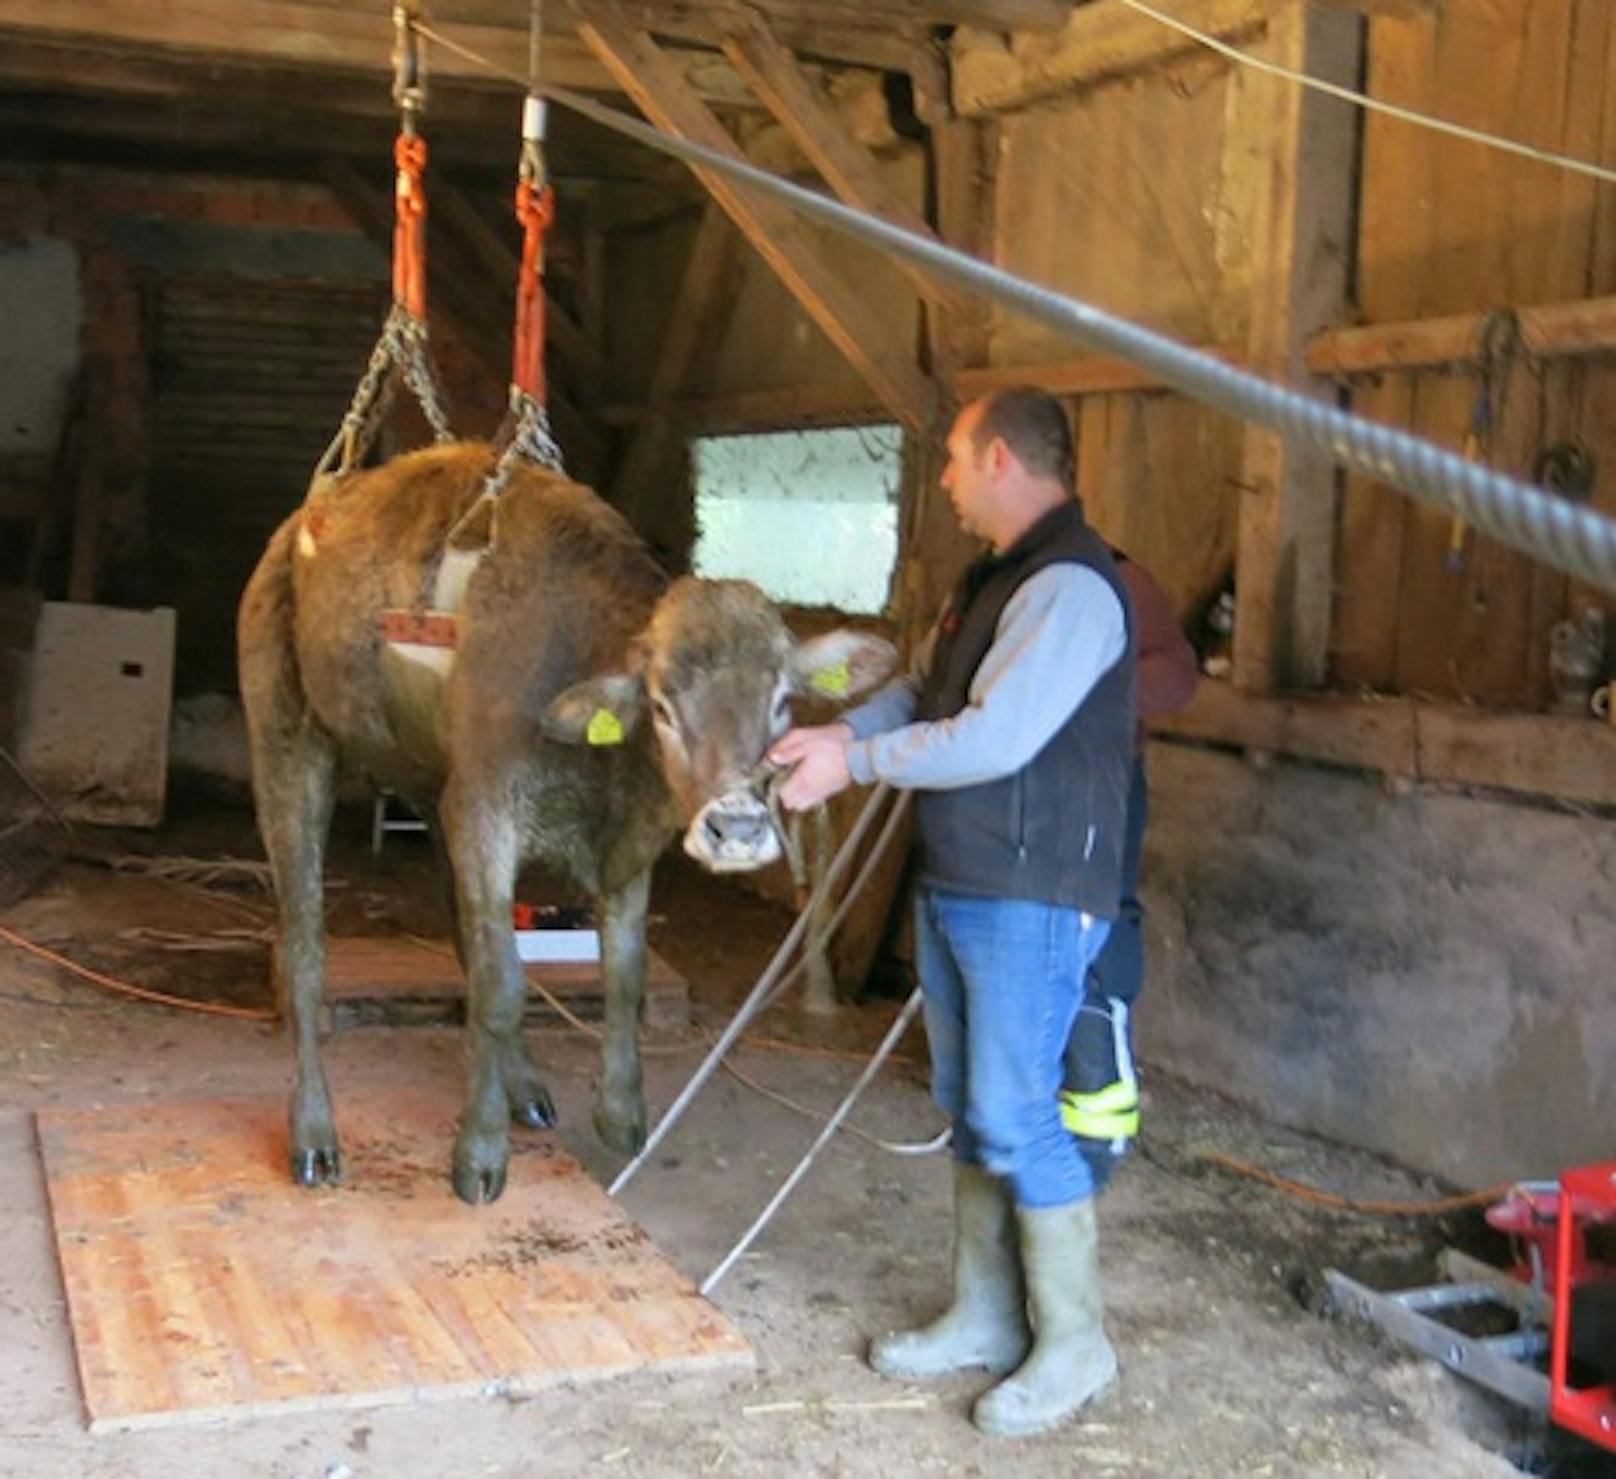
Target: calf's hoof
624,1133
478,1169
536,1110
316,1165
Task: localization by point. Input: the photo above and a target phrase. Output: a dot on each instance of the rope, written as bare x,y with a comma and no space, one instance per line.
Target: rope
899,1026
1376,105
759,995
1540,524
123,988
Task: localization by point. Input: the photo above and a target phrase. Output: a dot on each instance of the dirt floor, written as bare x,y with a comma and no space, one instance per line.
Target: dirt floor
1211,1280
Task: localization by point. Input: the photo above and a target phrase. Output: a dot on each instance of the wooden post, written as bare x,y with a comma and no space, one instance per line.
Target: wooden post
662,94
1303,219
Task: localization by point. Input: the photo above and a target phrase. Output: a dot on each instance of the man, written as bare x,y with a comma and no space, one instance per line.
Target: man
1100,1097
1017,732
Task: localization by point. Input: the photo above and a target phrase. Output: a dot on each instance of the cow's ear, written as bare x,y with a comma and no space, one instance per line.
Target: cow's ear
842,664
598,711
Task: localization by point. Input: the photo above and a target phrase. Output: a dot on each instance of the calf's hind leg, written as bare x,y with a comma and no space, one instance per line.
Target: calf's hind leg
530,1101
294,766
482,844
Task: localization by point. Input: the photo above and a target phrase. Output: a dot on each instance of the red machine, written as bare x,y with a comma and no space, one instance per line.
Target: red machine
1564,1300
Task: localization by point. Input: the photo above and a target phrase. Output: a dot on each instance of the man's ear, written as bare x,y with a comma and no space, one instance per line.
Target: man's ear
842,664
598,711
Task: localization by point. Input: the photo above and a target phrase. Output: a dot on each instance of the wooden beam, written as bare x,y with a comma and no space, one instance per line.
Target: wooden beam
355,38
1285,560
1100,42
771,71
1552,331
655,85
692,325
892,44
1570,759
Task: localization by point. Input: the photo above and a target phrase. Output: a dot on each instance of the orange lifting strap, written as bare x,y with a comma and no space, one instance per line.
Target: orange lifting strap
535,210
409,225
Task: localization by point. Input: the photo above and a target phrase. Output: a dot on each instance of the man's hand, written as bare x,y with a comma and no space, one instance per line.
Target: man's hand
819,757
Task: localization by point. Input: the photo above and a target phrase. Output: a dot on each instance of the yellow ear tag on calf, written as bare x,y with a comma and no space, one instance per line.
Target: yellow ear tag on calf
834,680
605,728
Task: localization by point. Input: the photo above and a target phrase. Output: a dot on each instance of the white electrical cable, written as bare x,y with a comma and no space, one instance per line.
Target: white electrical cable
1372,104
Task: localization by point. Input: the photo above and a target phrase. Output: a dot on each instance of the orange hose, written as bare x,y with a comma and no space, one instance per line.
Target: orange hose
123,988
1347,1204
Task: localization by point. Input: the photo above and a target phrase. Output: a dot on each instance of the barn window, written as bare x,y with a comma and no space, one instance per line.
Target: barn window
810,516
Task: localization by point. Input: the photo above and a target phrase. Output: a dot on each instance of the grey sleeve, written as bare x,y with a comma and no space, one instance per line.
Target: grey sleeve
1057,637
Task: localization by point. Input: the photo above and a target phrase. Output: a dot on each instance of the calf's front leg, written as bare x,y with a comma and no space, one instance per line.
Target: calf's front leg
620,1112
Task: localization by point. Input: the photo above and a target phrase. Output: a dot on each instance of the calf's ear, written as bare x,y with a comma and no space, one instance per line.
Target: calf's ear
598,711
842,664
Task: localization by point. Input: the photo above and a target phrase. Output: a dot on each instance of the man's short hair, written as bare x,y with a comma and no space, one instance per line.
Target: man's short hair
1033,425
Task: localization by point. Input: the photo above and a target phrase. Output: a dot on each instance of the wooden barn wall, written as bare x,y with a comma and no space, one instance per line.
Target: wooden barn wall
1135,197
1448,227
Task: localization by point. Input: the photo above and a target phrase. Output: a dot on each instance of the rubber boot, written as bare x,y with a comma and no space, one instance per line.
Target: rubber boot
1071,1359
986,1326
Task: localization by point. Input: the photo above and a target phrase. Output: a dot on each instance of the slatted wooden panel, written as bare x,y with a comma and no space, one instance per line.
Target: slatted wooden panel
1448,227
1136,197
250,381
202,1284
253,376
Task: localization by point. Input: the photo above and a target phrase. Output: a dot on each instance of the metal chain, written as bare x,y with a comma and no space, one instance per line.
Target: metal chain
529,439
416,364
400,352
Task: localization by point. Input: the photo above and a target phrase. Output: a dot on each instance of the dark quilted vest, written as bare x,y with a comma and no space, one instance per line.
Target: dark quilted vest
1054,830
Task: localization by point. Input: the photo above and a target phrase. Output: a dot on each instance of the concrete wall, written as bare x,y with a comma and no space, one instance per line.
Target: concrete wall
1430,976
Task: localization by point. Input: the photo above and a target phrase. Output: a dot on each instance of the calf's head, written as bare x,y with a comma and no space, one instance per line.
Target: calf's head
713,674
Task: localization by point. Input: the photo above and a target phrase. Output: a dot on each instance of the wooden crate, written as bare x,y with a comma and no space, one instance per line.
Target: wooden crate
202,1283
396,980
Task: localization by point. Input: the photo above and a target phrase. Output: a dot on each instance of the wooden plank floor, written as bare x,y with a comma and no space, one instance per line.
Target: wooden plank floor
400,980
202,1284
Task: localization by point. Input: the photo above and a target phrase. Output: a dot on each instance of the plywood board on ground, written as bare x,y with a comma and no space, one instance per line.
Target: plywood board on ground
401,980
202,1284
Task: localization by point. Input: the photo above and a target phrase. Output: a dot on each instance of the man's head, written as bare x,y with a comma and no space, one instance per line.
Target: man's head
1009,462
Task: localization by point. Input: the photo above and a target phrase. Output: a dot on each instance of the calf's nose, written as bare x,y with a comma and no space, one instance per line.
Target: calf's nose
736,829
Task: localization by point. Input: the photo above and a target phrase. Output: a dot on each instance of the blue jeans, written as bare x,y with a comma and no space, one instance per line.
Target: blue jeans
1003,979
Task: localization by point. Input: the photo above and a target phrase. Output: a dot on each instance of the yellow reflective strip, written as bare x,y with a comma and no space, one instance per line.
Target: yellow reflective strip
1080,1117
1112,1099
1100,1126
